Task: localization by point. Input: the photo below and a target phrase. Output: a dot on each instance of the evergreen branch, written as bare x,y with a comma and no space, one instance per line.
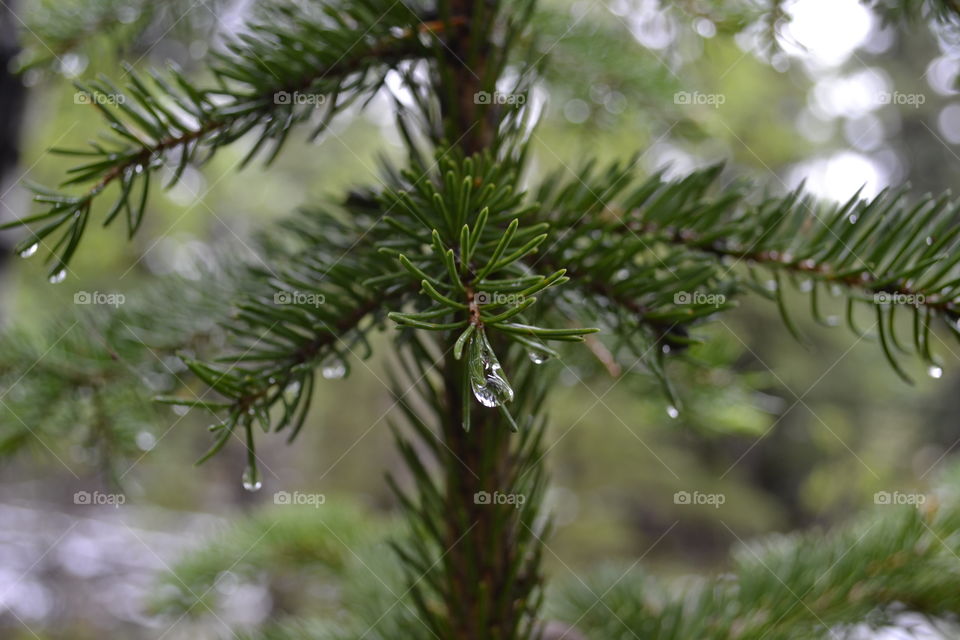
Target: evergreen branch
800,586
311,310
665,251
86,380
270,80
472,265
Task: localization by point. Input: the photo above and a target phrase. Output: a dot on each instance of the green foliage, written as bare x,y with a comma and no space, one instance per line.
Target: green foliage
669,254
888,562
899,559
86,379
330,57
327,565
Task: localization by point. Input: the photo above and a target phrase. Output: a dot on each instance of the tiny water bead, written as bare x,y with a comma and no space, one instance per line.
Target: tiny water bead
251,478
537,357
935,371
334,370
58,277
29,251
672,411
487,380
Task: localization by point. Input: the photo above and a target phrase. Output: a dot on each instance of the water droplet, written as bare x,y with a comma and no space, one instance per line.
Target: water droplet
934,371
771,285
489,384
251,478
806,286
665,348
852,218
146,441
537,357
929,241
672,411
334,371
29,251
58,277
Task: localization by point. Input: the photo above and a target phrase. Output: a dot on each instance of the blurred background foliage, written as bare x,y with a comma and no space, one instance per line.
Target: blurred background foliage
794,434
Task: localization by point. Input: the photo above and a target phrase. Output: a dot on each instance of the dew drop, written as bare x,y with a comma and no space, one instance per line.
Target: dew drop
806,286
146,441
487,380
935,371
852,218
29,251
672,411
537,357
58,277
251,478
334,371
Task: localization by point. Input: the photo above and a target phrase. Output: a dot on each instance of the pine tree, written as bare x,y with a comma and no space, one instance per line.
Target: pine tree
480,273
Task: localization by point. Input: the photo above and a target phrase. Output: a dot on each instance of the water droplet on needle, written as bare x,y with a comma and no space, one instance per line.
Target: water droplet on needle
251,479
487,380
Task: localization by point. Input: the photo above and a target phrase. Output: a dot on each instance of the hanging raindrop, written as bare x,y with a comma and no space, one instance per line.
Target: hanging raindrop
58,277
29,251
672,411
251,478
334,370
536,356
487,380
935,371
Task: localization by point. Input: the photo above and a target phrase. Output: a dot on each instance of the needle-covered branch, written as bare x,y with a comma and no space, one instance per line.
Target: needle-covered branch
670,253
290,66
899,561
